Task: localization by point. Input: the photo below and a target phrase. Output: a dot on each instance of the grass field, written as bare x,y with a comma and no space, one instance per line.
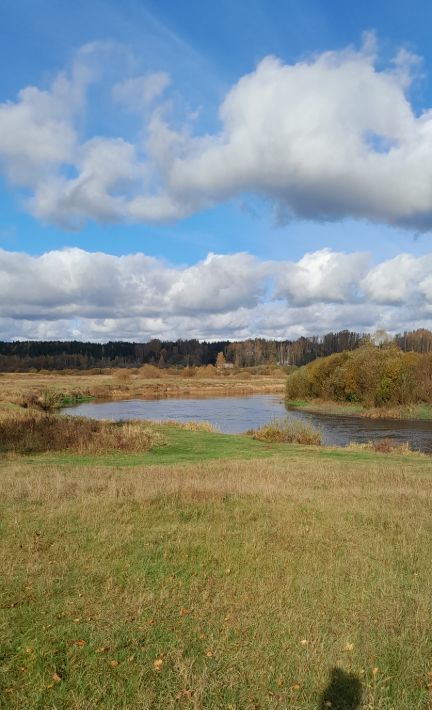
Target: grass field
216,572
212,571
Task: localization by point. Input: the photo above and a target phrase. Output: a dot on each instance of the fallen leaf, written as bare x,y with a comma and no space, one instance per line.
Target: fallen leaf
375,670
157,664
295,686
56,677
348,647
102,649
79,642
114,663
184,612
304,642
184,693
209,653
29,650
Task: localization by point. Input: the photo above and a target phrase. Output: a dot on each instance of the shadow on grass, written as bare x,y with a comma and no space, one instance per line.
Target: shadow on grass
343,692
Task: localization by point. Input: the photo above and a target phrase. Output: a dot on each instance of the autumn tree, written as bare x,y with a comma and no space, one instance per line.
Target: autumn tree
220,360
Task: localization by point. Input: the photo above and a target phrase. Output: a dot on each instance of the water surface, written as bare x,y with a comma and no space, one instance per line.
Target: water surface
234,415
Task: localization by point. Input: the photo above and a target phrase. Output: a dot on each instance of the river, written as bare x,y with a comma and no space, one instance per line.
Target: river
234,415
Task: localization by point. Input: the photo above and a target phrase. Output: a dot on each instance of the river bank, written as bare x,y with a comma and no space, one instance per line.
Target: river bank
418,412
22,387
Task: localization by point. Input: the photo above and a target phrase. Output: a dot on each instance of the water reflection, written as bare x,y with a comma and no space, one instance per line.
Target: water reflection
233,415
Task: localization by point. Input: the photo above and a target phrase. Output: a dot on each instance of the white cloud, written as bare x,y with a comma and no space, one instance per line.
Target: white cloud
322,276
73,293
399,280
139,91
325,138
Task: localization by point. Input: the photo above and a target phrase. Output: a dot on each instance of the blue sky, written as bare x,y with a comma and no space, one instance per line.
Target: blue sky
204,49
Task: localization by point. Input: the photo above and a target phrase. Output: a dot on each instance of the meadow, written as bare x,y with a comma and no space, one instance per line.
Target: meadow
22,388
214,571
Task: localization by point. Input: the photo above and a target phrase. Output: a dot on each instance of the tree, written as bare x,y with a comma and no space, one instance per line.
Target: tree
220,360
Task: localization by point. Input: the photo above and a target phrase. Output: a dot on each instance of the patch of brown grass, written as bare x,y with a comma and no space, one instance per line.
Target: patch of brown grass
383,446
206,371
37,433
192,426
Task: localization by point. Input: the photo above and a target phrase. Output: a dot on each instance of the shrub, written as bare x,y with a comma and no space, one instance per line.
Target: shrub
375,376
288,431
149,371
123,376
243,374
47,401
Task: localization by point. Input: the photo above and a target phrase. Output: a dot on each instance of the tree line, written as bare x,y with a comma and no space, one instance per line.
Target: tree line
21,356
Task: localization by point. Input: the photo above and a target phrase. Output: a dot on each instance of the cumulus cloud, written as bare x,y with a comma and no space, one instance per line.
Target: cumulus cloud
400,280
331,136
73,293
322,276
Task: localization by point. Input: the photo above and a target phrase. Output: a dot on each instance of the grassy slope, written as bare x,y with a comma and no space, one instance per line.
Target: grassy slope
220,569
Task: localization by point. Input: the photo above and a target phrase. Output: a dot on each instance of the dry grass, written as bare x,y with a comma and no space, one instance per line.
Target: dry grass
384,446
288,431
221,585
191,426
128,384
31,432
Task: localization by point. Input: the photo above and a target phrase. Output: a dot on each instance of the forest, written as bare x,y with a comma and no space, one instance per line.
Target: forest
22,356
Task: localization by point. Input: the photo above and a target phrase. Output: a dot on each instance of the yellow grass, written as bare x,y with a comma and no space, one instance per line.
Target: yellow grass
128,384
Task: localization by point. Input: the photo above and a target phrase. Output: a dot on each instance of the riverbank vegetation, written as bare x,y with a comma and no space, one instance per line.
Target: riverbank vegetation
225,584
288,431
62,388
371,377
32,432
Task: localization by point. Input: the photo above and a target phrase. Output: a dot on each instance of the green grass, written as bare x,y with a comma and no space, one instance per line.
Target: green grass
71,400
186,447
249,580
